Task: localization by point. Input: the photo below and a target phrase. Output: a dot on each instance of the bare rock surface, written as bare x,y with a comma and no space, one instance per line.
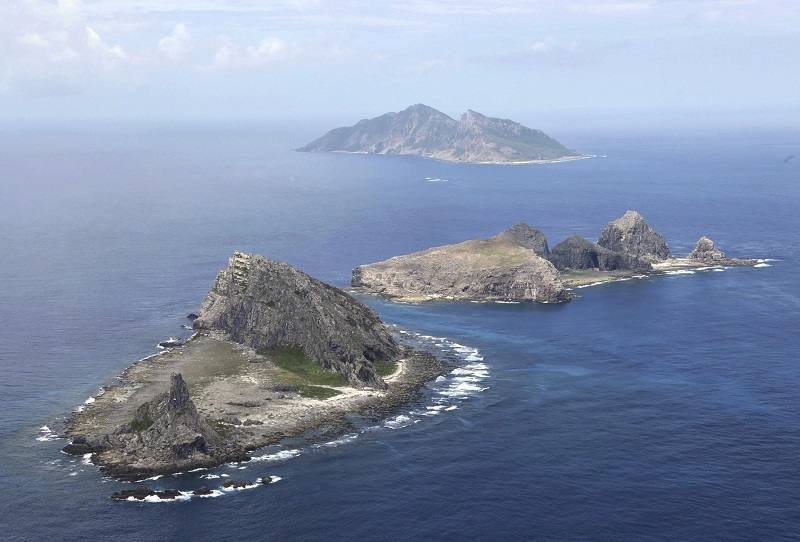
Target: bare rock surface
707,250
578,253
632,236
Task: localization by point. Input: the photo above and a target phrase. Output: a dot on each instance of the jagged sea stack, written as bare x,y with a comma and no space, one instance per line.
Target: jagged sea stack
630,235
265,305
706,250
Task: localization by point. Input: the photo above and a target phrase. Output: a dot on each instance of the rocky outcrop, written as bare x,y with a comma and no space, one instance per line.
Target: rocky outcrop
528,237
631,236
169,427
579,253
423,131
504,267
164,435
707,251
265,305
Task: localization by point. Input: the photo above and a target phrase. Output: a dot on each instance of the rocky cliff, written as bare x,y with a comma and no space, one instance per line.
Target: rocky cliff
631,236
706,250
423,131
504,267
267,304
578,253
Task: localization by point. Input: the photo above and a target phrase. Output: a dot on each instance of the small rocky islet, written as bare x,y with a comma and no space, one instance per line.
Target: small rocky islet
518,265
276,354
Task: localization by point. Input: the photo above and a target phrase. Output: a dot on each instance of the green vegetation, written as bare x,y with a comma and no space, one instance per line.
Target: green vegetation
385,368
293,359
141,420
317,392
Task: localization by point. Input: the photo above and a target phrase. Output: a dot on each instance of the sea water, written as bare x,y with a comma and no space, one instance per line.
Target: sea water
658,408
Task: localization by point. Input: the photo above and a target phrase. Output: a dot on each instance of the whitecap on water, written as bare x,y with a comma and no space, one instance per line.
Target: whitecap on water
277,456
46,434
397,422
338,442
679,272
248,486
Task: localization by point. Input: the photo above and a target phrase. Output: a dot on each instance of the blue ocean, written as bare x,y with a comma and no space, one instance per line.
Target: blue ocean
655,409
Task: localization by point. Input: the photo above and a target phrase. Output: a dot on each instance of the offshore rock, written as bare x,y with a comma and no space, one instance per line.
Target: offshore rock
631,236
707,251
265,304
505,267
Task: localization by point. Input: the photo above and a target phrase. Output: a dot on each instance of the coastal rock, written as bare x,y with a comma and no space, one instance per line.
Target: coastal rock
501,268
142,493
707,251
191,316
579,253
265,305
423,131
78,446
237,484
630,235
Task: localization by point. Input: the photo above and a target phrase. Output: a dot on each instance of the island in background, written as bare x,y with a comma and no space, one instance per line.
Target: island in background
518,265
276,353
423,131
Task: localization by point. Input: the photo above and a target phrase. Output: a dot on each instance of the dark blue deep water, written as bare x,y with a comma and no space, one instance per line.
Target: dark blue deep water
665,408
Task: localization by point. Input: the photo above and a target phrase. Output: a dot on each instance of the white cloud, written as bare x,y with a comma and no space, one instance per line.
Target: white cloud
107,55
176,45
230,55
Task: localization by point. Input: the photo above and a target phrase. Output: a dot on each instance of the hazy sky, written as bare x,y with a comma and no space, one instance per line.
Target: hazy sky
351,58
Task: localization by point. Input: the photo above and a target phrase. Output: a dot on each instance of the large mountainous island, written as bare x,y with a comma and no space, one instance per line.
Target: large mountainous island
276,353
423,131
518,265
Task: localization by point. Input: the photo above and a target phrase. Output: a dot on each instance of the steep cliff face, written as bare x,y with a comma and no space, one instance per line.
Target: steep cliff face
630,235
267,304
423,131
500,268
706,250
579,253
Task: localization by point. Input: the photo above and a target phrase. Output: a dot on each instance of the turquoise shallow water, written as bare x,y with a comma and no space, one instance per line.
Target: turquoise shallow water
660,408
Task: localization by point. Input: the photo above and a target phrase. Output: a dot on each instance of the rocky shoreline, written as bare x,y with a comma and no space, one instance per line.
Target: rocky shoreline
242,395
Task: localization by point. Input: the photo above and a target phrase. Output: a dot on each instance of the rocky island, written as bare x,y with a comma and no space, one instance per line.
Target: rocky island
423,131
518,265
276,353
510,265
